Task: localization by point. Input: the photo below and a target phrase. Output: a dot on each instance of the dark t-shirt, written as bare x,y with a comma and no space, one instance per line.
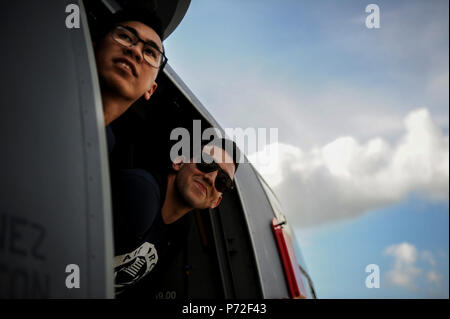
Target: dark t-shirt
141,238
110,139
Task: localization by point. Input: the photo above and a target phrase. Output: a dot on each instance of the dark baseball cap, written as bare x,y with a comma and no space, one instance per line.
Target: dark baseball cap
161,15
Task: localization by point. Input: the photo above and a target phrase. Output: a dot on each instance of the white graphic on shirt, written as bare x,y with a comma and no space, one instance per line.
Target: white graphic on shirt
131,267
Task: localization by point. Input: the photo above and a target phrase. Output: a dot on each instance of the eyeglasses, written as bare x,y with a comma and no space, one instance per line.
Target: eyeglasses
128,37
223,182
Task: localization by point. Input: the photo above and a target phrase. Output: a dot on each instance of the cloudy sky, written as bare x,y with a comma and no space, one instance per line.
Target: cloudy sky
362,158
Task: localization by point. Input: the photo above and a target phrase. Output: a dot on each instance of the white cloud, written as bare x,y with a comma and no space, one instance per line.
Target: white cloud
405,272
346,178
428,257
434,277
404,253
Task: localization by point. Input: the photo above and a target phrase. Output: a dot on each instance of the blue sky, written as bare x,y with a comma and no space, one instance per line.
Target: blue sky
362,118
341,251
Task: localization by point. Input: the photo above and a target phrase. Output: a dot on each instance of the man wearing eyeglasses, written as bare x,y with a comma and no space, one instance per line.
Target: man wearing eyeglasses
148,227
129,56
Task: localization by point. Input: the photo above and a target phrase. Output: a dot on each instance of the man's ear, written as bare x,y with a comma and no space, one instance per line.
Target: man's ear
214,205
150,91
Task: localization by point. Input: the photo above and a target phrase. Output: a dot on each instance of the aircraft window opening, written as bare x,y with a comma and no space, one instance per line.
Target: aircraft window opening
142,139
217,260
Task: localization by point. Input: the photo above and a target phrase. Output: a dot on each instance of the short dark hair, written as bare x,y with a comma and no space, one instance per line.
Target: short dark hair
141,15
227,145
104,25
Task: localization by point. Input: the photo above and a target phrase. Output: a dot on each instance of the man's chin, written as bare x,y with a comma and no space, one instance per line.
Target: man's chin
196,201
118,85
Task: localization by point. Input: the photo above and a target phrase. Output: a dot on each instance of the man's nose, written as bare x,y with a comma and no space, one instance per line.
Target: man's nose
210,177
136,52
